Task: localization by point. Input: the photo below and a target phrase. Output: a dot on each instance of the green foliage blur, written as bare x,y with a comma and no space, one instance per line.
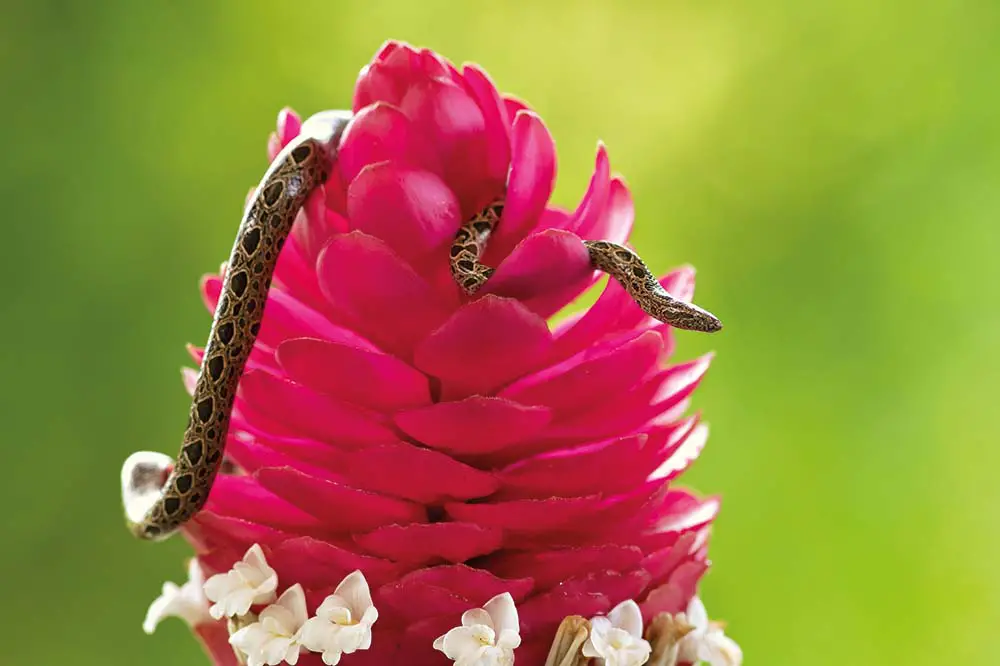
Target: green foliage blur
831,169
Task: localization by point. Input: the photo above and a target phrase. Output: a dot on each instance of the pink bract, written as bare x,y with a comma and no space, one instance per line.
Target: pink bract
450,447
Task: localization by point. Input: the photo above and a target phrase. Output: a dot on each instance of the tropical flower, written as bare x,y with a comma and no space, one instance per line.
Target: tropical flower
487,635
617,638
455,450
186,601
250,581
707,641
343,622
274,638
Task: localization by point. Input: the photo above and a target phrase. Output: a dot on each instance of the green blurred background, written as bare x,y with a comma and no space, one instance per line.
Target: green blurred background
831,168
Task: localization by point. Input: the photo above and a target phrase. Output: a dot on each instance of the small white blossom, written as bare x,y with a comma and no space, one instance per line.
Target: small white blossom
487,637
707,641
343,622
187,602
617,638
273,638
250,581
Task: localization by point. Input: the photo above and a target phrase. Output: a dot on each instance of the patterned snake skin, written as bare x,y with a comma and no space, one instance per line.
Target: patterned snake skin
156,509
616,260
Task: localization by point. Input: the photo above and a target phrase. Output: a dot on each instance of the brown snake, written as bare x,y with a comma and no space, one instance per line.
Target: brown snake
155,508
616,260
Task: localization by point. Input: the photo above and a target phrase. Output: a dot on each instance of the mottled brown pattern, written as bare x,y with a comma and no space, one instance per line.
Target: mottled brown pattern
616,260
469,245
298,169
625,266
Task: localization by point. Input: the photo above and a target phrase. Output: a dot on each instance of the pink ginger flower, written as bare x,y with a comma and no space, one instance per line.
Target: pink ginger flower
453,448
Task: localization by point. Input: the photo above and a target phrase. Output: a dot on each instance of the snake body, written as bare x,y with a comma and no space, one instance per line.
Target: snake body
616,260
155,508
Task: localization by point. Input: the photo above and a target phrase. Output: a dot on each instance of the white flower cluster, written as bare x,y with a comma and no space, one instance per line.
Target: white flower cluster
343,623
617,639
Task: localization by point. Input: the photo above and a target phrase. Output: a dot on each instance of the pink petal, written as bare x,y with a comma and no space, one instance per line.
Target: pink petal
683,455
680,381
289,125
284,316
385,77
363,377
383,133
679,283
590,377
261,358
594,200
340,507
530,184
549,568
616,586
295,272
484,91
625,413
527,515
661,563
513,105
232,531
674,596
411,210
608,466
544,272
318,564
371,285
474,584
454,124
600,319
475,425
214,638
415,602
318,223
246,451
516,340
310,413
615,221
243,498
544,612
427,543
417,474
615,312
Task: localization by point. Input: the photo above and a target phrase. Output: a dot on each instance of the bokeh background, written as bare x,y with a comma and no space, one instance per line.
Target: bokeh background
831,168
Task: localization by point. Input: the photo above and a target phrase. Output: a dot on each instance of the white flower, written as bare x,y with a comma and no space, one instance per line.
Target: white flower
187,602
272,639
343,622
487,637
250,581
617,638
707,641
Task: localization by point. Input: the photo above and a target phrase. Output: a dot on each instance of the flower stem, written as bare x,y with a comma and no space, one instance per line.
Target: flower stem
570,637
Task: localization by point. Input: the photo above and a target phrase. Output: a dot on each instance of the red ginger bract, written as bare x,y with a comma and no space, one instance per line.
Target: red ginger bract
454,447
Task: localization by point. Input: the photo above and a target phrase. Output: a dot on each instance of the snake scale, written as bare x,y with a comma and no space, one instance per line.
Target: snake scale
155,508
161,494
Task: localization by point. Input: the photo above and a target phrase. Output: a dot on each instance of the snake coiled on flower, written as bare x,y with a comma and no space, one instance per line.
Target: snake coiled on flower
162,494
